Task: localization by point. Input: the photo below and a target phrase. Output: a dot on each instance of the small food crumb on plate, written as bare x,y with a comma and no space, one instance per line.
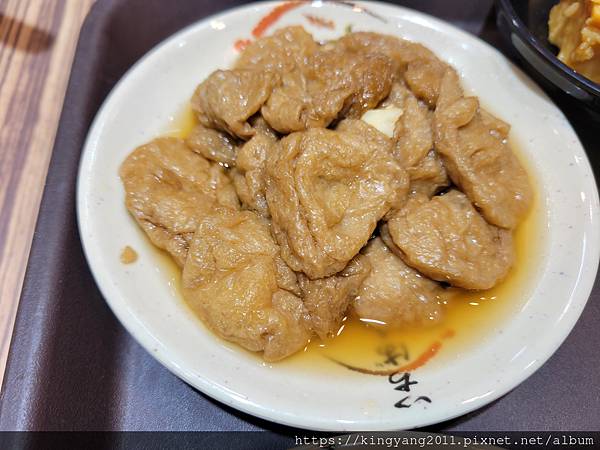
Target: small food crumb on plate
128,255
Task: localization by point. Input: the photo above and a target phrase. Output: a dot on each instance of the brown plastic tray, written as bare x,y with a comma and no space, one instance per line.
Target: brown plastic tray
72,366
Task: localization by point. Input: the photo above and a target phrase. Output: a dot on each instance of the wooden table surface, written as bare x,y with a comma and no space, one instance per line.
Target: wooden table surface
37,43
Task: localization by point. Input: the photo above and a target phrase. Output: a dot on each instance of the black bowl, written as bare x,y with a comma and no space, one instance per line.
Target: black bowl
524,23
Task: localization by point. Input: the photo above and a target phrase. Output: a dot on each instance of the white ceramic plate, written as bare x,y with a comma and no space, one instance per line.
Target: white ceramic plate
150,94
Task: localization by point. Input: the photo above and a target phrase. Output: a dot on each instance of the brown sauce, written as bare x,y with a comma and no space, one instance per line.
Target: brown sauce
470,318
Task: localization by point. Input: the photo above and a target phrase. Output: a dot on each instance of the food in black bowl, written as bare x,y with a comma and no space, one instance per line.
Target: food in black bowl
574,27
525,24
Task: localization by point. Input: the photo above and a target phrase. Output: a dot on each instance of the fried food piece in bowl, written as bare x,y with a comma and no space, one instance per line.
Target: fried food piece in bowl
401,51
421,68
429,176
169,188
474,147
446,239
413,136
327,299
326,191
213,145
287,49
332,84
233,280
396,294
574,27
413,132
249,177
228,98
